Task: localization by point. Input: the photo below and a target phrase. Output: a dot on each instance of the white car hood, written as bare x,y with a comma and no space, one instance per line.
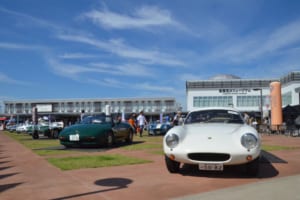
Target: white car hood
212,137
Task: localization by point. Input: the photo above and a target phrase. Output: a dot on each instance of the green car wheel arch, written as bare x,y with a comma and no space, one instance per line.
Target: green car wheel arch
109,139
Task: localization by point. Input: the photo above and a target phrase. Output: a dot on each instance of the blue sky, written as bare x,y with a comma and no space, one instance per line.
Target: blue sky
60,49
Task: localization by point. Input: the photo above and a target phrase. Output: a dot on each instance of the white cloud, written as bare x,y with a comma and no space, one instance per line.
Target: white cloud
153,87
29,19
6,45
79,73
8,80
120,49
283,37
66,70
76,71
76,56
146,16
124,69
259,44
108,82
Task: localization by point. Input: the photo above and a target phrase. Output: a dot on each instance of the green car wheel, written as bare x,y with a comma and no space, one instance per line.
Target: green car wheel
129,139
109,139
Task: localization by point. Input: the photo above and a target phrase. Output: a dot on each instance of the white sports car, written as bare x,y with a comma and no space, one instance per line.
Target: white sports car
213,138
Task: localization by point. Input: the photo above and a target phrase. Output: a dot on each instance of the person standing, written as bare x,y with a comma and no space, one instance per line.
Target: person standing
82,115
246,118
176,118
131,121
141,122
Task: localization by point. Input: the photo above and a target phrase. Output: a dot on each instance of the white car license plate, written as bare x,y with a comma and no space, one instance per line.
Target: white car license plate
74,137
211,166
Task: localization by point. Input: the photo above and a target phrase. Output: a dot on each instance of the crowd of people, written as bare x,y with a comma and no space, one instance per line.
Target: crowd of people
139,122
252,121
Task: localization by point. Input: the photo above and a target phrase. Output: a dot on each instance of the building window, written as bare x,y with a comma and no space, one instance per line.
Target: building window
169,106
249,101
157,106
55,107
97,106
287,99
212,101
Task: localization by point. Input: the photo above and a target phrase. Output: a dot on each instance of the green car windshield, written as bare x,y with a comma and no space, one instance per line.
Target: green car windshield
214,116
96,119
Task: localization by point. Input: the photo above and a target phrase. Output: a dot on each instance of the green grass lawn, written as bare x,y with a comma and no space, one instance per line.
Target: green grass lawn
79,162
39,146
277,148
48,148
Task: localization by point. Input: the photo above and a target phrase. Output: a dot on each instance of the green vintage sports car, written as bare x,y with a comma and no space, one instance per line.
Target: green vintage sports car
98,130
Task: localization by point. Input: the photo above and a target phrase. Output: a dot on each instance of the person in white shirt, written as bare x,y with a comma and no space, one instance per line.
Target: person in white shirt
141,122
177,118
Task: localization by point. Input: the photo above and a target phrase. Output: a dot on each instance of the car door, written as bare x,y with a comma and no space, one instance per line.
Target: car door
120,130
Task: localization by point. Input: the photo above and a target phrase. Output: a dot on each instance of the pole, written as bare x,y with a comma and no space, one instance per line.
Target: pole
261,107
260,104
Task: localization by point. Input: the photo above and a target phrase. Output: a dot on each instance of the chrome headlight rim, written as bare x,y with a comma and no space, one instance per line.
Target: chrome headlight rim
172,140
249,141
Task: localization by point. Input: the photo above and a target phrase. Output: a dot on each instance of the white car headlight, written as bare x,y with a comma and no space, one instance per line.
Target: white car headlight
172,140
249,141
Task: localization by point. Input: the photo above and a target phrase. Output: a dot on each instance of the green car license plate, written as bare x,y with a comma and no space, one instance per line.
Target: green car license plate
74,137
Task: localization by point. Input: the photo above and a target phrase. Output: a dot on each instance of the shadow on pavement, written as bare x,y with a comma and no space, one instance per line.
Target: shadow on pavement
3,162
268,157
6,167
8,186
7,175
115,183
85,148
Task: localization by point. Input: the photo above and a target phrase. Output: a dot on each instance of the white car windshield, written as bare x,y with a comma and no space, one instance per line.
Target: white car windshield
96,119
214,116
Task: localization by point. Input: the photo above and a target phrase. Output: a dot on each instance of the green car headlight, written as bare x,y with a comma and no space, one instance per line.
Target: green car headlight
172,140
249,141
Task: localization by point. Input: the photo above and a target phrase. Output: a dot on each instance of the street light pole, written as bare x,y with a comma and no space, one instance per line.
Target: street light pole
260,105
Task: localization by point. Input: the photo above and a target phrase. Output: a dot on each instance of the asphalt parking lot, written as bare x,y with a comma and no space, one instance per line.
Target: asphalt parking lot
23,174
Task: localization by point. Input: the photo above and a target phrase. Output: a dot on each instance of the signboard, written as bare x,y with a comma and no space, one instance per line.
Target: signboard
44,107
235,91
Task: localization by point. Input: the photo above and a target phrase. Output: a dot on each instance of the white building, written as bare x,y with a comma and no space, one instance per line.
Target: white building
72,108
243,94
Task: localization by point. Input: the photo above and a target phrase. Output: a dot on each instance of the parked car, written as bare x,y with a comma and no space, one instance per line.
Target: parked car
50,130
23,127
11,127
157,128
99,130
213,138
55,129
40,129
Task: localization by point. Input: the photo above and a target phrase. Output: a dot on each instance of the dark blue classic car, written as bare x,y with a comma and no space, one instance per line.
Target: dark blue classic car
157,128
